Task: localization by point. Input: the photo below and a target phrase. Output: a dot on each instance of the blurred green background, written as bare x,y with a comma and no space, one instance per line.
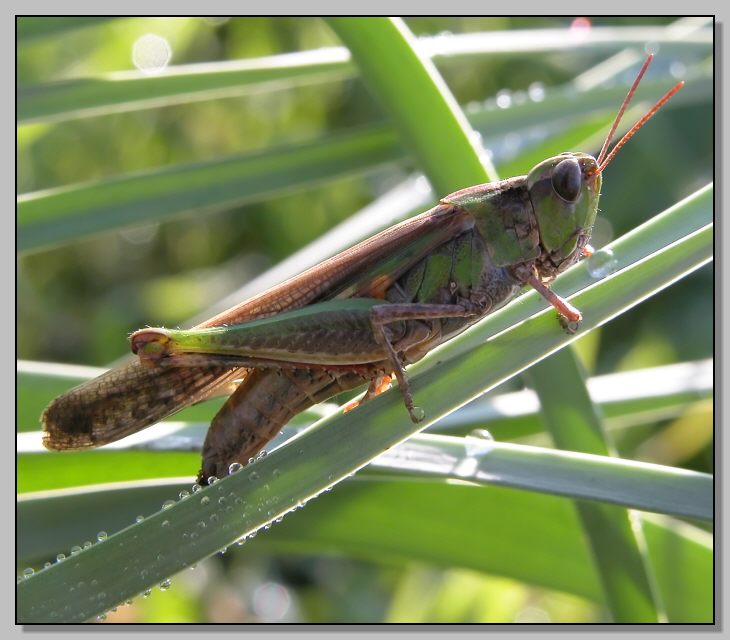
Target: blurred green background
78,301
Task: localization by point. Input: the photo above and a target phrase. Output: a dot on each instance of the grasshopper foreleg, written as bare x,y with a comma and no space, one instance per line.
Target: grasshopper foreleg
381,316
566,310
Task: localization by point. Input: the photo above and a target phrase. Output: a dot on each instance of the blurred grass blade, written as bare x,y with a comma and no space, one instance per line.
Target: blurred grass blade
124,91
637,485
47,218
575,424
54,216
132,90
260,493
472,460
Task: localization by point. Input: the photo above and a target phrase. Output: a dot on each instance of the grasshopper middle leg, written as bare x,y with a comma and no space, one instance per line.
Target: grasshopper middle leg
383,315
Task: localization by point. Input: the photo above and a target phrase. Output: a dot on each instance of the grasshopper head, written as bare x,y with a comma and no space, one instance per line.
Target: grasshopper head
564,192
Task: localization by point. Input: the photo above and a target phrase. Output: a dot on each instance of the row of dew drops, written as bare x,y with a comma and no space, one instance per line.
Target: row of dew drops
192,537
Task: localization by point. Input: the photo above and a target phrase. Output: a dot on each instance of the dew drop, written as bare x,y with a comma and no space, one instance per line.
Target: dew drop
87,544
234,467
101,536
478,443
418,413
204,500
253,476
196,487
212,480
101,617
601,264
167,504
75,549
183,494
481,434
151,54
165,523
46,565
504,99
147,593
60,557
276,473
536,92
28,572
139,518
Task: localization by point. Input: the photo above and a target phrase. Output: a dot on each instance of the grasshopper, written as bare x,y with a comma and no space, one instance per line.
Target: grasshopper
356,318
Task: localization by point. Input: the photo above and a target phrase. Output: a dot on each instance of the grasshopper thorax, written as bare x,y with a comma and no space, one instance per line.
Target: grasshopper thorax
564,192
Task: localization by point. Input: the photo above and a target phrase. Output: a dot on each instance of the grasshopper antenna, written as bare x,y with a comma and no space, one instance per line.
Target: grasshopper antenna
604,158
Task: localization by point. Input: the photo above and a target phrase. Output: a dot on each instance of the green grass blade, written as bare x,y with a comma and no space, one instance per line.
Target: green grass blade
575,424
417,99
126,91
638,485
59,215
261,493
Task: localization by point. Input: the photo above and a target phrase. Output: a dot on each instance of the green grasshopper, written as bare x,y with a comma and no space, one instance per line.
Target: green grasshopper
354,319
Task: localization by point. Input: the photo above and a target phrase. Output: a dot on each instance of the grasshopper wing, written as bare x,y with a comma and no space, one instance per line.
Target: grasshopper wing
124,400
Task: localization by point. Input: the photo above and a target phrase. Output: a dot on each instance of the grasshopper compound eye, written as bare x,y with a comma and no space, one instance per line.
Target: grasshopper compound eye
566,179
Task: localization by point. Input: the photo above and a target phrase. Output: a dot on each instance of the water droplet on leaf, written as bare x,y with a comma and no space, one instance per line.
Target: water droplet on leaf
601,264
